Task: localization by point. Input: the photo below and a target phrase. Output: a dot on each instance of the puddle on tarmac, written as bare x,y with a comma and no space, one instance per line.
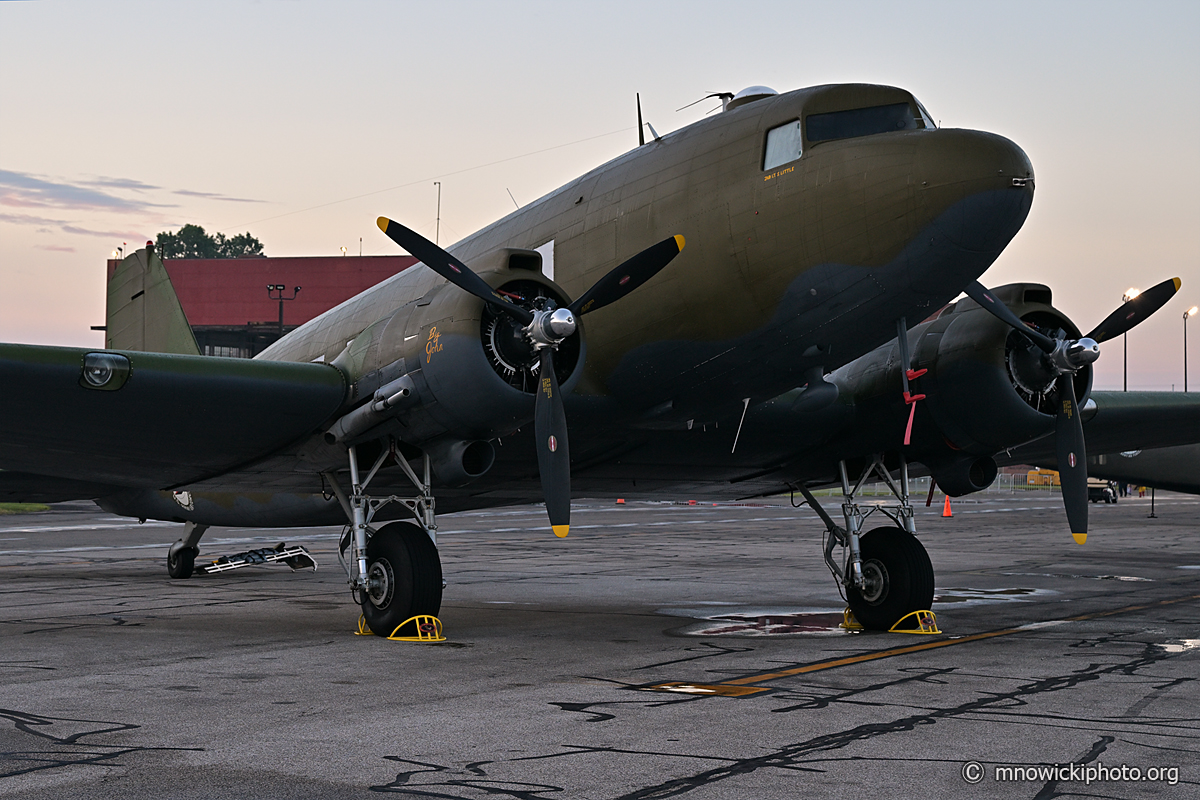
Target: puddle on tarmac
1084,577
782,621
760,622
1181,645
975,597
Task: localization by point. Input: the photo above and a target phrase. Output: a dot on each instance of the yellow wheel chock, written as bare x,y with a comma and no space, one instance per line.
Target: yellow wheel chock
924,622
429,629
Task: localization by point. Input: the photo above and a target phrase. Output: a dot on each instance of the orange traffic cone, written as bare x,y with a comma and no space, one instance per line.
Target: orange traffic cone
620,501
946,508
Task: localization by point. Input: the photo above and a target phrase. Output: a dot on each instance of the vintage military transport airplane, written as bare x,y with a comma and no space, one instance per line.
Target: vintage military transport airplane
723,309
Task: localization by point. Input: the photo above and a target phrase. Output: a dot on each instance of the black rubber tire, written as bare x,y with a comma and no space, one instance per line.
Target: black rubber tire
183,563
908,586
408,557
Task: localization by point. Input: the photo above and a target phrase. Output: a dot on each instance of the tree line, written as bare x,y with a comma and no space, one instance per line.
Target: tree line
193,242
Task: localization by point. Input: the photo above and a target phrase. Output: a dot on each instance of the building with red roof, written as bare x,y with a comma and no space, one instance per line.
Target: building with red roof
232,312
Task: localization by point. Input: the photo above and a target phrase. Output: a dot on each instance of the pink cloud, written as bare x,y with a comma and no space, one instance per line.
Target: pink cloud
124,236
22,190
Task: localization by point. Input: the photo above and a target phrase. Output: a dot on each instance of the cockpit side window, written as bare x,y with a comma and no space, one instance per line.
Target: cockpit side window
926,117
783,145
860,122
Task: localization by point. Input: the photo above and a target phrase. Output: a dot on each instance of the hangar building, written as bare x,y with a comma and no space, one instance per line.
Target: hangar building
232,312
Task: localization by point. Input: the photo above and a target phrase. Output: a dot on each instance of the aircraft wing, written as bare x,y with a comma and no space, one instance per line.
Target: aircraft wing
1173,468
26,487
1147,438
1125,421
1133,420
77,422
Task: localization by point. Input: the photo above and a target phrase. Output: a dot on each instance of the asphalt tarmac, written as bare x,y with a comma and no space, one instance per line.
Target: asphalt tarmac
659,651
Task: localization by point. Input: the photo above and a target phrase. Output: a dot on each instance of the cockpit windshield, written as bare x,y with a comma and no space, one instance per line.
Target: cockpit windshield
861,122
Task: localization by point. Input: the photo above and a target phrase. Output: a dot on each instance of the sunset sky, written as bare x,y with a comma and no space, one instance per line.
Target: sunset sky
301,122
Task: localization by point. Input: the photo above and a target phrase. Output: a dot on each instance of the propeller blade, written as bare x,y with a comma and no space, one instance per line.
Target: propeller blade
1135,311
554,459
628,276
450,268
976,291
1072,457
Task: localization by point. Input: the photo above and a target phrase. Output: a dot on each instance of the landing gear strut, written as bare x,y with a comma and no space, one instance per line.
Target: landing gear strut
886,572
181,558
394,572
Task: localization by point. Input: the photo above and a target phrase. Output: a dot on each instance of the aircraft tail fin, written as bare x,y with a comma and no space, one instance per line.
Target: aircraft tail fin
143,311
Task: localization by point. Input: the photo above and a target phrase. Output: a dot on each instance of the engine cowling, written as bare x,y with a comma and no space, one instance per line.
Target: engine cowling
986,388
470,373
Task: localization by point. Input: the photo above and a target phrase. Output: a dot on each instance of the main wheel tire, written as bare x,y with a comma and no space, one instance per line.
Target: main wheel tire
182,562
406,577
899,578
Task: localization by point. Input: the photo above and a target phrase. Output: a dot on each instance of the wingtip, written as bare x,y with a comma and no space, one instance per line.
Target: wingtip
382,222
561,531
679,241
1079,538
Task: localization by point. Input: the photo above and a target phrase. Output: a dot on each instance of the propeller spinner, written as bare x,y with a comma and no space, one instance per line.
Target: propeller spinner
1064,357
545,328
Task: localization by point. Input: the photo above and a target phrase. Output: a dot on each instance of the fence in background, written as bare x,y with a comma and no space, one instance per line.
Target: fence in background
1004,484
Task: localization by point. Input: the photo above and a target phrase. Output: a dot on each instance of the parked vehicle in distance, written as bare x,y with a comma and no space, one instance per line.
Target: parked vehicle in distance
1099,489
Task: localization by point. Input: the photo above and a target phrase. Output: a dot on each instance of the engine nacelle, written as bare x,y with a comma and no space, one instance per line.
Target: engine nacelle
448,372
986,388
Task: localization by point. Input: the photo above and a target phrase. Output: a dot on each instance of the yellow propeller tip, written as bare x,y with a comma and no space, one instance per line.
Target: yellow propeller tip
679,242
561,530
1079,538
1177,282
382,222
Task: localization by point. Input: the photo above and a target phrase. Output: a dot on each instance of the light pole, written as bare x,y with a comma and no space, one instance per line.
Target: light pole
1190,312
275,292
1125,298
437,232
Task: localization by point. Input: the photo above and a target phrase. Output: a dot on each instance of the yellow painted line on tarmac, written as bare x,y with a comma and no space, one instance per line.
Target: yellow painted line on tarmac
842,662
917,648
708,689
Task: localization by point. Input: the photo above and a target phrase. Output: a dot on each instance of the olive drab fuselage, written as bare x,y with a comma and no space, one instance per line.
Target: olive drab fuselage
805,264
794,265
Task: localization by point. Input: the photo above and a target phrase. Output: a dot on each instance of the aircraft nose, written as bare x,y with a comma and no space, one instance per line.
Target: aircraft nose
977,187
